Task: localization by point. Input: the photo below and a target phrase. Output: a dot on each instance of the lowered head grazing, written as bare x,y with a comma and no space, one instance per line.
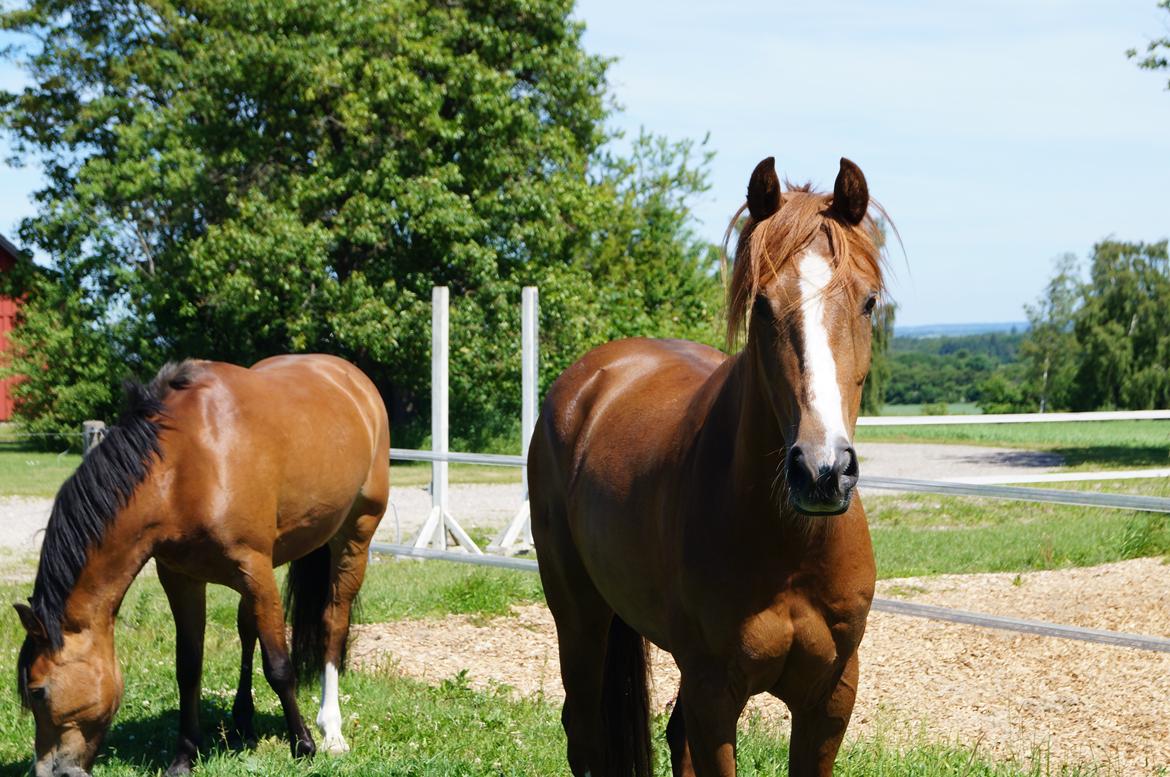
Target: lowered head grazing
807,276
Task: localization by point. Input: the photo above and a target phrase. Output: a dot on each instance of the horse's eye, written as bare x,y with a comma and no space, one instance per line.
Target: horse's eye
870,303
762,307
37,693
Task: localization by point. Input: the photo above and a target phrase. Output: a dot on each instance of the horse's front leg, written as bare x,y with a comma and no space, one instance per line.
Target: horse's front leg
710,711
817,731
262,597
676,737
188,600
243,734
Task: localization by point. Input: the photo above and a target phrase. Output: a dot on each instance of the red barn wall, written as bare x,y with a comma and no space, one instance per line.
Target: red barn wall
7,320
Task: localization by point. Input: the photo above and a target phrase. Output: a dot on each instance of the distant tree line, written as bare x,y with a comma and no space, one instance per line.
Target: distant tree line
1096,344
933,370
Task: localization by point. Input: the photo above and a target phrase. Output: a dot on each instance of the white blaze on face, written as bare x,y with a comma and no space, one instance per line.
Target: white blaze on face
329,717
820,366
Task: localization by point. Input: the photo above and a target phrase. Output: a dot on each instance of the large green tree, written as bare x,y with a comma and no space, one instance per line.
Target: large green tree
1123,329
235,178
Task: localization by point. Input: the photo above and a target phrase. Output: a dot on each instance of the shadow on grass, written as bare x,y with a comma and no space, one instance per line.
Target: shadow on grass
147,744
1116,455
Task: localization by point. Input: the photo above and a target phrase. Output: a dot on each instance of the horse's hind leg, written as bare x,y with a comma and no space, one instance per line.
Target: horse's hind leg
188,600
348,557
257,584
583,621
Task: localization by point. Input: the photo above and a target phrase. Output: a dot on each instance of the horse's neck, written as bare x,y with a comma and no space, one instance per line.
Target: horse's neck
110,568
757,448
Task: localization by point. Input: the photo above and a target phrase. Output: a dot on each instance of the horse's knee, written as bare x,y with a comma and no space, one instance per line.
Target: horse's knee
278,671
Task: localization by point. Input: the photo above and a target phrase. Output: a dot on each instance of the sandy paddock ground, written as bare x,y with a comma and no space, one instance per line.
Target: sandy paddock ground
1008,694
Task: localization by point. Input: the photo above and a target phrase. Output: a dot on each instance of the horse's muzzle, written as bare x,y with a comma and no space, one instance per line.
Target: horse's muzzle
825,489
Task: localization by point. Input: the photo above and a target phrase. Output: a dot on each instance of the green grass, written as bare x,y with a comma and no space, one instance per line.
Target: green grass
396,726
1083,444
396,589
25,471
419,474
28,472
953,408
924,534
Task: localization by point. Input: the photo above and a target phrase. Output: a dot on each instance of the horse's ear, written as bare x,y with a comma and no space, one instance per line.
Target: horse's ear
763,195
32,624
850,194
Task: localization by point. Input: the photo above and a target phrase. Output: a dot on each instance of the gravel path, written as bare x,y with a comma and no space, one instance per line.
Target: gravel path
1004,693
490,506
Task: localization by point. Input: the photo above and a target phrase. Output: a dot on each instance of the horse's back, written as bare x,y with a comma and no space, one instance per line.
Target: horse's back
290,444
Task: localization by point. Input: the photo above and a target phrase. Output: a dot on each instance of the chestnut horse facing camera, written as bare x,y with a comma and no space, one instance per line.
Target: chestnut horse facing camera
219,473
706,502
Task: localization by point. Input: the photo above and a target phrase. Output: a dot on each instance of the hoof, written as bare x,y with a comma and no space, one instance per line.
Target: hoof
335,745
241,740
303,748
179,766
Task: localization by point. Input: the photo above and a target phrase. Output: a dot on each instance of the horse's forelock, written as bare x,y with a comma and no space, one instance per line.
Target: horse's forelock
766,247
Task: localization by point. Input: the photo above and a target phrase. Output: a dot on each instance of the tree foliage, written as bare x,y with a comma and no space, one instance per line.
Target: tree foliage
1155,55
967,368
877,383
235,178
1049,352
1123,329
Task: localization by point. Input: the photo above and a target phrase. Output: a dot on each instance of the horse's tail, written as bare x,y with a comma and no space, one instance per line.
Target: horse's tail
306,595
625,703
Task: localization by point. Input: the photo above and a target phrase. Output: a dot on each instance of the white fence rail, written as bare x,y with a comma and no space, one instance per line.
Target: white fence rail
1013,418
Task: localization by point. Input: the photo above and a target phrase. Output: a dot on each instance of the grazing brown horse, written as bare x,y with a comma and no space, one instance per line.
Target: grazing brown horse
706,503
219,473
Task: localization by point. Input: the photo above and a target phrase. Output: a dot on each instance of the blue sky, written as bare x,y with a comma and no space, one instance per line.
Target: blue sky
997,134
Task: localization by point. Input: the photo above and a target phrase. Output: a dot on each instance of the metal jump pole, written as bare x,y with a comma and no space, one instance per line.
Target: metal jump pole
517,535
440,521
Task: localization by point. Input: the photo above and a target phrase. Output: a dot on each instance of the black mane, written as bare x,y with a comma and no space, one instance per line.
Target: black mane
94,494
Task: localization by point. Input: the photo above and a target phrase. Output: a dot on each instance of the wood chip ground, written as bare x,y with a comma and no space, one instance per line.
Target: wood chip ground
1012,696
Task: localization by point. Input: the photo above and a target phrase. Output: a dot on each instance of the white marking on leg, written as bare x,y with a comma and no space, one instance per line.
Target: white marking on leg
329,716
820,366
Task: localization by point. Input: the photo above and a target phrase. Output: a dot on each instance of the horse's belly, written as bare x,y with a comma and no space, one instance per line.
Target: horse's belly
615,546
308,528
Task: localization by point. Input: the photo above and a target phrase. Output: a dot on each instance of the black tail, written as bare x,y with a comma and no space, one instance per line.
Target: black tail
306,595
625,704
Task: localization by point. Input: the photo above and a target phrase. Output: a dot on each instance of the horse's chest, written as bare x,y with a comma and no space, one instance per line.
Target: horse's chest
792,643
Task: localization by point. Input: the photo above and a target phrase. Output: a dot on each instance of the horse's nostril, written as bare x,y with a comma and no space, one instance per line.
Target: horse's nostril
849,462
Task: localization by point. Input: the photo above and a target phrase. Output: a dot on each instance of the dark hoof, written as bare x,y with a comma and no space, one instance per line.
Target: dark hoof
181,765
186,752
241,740
304,748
